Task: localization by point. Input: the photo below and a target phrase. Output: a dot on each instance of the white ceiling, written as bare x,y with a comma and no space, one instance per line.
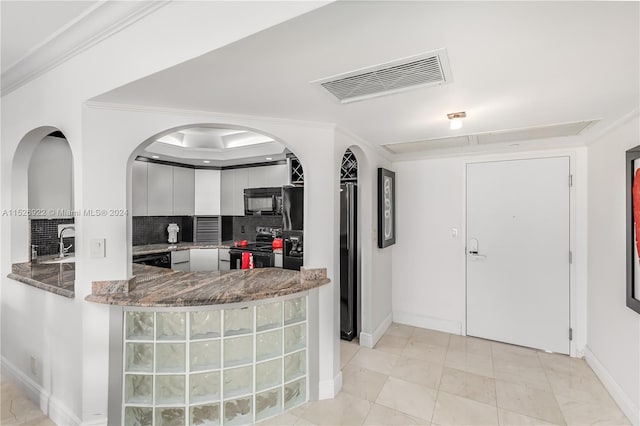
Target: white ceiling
28,24
219,147
515,65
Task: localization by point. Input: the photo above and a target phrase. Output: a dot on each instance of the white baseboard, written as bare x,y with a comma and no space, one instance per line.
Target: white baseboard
55,409
328,389
369,340
628,407
423,321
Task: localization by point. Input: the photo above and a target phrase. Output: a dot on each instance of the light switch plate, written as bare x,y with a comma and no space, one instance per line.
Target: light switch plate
96,248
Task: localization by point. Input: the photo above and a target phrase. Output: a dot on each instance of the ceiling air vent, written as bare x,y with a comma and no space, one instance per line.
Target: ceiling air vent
426,69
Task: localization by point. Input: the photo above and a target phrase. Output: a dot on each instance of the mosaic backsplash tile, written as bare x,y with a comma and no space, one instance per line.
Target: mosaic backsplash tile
153,229
44,235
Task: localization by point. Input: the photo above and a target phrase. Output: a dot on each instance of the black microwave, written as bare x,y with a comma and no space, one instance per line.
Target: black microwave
263,201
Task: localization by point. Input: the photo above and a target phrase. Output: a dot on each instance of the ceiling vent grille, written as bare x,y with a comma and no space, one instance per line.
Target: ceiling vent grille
426,69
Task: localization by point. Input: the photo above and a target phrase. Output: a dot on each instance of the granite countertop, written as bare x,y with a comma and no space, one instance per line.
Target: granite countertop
59,278
164,247
175,288
55,278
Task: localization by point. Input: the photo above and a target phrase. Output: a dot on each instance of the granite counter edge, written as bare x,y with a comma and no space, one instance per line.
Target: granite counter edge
43,286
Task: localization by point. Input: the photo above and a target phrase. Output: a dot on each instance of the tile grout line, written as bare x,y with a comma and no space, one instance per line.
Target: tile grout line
495,382
553,392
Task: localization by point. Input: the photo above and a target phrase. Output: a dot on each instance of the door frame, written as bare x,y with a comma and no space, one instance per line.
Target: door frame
577,240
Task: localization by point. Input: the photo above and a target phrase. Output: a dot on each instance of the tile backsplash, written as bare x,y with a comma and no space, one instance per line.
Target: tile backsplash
44,235
153,229
244,227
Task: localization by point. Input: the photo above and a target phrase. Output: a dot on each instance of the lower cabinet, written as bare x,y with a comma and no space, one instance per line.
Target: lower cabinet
180,260
203,259
224,261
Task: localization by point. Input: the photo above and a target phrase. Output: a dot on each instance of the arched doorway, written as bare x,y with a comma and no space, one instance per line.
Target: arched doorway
217,184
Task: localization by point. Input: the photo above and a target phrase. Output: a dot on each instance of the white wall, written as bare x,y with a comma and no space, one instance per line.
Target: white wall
614,330
68,337
429,284
50,180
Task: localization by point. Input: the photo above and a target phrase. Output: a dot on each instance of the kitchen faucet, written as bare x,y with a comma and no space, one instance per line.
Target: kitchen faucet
63,249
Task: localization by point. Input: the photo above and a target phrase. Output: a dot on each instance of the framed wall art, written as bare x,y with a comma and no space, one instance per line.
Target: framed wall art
386,208
633,228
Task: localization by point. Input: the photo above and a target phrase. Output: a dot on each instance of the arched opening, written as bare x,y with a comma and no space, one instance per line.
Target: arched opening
350,248
42,188
202,195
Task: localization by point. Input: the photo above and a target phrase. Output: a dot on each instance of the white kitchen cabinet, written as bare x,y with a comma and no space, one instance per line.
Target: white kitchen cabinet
207,192
203,260
180,260
50,179
227,187
224,260
268,176
232,185
160,190
183,191
139,189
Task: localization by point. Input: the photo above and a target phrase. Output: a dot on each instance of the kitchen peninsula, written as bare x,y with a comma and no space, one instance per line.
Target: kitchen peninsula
214,347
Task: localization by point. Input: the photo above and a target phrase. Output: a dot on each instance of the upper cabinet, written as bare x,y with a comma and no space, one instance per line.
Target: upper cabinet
160,190
183,191
50,182
207,192
232,185
268,176
139,189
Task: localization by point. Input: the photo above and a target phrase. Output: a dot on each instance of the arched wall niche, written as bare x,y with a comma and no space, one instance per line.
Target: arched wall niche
20,226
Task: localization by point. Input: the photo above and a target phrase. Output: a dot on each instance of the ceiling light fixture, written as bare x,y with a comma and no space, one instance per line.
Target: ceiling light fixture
155,156
455,119
206,161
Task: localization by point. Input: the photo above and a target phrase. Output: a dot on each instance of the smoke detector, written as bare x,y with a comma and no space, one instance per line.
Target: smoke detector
425,69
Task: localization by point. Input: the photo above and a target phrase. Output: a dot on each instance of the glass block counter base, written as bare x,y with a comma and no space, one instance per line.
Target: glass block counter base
214,366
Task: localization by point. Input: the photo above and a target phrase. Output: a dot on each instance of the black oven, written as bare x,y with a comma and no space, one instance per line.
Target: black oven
263,201
262,258
161,260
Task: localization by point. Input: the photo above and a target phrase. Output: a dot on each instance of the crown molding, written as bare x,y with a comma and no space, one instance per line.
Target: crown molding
615,124
378,149
93,26
209,115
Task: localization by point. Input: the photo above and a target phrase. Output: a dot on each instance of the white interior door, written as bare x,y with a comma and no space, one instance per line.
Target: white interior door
518,252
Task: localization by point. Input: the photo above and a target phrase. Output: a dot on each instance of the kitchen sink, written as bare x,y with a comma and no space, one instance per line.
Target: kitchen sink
67,259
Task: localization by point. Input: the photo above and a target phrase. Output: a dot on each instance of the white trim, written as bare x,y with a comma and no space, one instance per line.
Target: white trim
617,123
631,410
57,411
424,321
328,389
369,340
208,115
96,24
379,149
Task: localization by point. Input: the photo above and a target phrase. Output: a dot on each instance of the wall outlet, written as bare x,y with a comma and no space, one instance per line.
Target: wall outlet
33,365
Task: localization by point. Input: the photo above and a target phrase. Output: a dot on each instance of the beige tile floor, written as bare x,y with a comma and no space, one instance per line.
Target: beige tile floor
421,377
17,409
